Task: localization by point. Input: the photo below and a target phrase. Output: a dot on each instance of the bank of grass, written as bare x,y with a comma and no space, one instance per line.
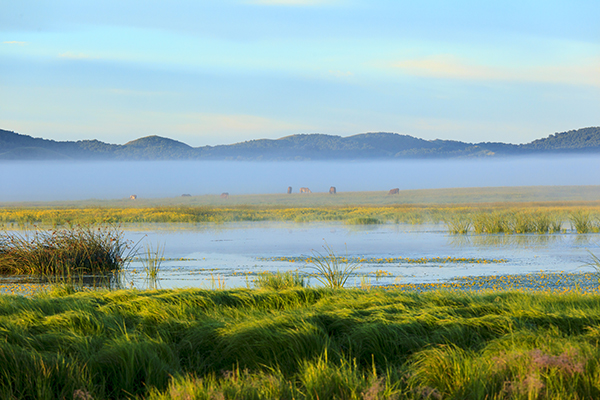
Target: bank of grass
495,218
301,343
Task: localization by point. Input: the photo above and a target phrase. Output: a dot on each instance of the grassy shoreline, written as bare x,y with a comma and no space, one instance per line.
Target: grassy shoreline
459,219
479,210
300,343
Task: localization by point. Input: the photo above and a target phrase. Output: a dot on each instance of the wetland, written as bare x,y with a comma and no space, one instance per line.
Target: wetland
201,300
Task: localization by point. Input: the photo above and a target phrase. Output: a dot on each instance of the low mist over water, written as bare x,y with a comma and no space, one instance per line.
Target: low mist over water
43,180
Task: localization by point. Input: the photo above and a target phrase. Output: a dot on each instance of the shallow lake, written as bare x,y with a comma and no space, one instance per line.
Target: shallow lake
229,254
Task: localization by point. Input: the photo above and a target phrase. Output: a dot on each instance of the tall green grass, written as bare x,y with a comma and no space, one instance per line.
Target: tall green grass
299,343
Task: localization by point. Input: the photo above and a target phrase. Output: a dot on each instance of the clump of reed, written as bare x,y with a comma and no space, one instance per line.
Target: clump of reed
516,222
584,222
64,252
458,224
279,280
151,261
363,221
332,270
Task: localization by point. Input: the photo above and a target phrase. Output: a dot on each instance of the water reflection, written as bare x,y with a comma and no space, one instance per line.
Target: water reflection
587,240
528,240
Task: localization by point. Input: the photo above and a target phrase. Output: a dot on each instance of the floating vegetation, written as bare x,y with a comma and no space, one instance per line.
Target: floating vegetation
560,282
392,260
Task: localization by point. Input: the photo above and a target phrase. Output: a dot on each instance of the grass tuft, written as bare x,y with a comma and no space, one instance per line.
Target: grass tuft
332,270
65,252
153,258
279,280
363,221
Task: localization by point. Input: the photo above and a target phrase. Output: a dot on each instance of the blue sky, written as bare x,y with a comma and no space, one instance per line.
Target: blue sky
211,72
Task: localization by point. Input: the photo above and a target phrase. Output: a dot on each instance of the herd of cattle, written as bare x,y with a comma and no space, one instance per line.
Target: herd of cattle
332,190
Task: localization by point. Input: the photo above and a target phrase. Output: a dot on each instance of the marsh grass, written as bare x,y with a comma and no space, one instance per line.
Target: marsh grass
302,343
64,252
458,224
583,221
279,280
594,263
363,221
332,270
484,218
217,282
151,261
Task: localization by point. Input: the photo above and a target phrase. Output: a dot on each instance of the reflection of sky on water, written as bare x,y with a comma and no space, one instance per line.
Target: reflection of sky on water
229,252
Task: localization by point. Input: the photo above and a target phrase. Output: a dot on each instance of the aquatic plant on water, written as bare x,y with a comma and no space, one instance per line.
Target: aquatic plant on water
332,270
152,260
458,224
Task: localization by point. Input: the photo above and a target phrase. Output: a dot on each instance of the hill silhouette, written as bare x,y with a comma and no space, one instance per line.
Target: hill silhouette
363,146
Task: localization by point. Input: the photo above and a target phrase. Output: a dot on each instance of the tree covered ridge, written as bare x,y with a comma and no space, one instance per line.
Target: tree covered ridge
372,145
575,139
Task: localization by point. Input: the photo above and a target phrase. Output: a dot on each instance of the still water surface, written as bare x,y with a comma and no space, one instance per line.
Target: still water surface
201,256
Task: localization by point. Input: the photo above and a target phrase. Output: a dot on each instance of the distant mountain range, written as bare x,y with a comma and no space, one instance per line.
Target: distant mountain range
364,146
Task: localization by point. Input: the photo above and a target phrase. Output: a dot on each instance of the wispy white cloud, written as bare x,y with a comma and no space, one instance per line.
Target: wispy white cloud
235,125
16,42
584,72
77,56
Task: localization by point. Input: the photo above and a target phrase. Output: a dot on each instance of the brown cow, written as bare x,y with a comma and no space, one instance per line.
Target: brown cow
305,190
225,195
289,190
133,197
394,191
332,190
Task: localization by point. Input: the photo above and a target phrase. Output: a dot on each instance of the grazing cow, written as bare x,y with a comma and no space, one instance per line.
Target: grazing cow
305,190
186,195
332,190
289,190
133,197
394,191
225,195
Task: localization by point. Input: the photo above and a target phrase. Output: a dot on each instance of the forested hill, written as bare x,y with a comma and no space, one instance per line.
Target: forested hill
587,139
364,146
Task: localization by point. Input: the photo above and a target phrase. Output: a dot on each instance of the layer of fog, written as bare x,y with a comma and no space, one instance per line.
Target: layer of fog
41,181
